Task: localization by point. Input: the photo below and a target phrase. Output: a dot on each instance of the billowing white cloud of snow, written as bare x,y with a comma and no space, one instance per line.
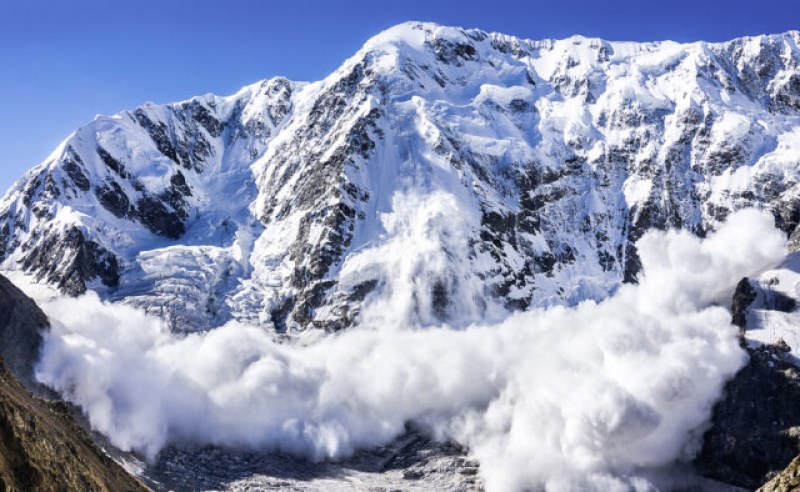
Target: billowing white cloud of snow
567,398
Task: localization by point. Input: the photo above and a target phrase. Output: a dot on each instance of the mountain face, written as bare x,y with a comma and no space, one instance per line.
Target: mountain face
753,429
529,168
22,325
42,446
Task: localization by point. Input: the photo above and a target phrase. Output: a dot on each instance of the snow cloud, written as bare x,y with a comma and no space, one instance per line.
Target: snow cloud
587,397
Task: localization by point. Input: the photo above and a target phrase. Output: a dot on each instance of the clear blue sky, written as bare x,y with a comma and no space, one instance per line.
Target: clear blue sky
62,62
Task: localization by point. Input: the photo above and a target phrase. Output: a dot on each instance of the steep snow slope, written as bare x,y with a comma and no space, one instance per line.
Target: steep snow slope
536,164
149,205
771,317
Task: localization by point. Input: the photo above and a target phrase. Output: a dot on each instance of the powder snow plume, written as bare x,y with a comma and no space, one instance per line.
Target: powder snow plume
588,397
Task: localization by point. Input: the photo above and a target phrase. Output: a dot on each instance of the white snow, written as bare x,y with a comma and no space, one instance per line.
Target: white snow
768,326
587,398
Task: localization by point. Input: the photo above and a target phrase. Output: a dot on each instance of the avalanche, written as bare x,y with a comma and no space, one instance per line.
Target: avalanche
456,228
584,398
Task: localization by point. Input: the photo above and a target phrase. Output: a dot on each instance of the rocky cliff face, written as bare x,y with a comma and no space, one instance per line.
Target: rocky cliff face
754,431
43,448
268,205
22,325
755,426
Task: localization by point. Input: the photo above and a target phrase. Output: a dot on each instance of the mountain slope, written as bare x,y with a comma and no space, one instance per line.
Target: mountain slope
119,192
43,448
475,169
22,324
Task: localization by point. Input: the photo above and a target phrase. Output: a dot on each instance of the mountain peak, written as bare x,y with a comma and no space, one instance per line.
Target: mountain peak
555,155
421,36
414,34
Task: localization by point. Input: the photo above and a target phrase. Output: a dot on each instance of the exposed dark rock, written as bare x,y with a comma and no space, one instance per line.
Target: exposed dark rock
279,315
160,135
21,326
31,188
362,290
73,166
787,95
755,425
179,186
159,219
69,261
755,428
787,215
202,115
743,297
5,238
43,448
308,300
113,198
606,260
449,52
544,262
749,295
112,163
175,196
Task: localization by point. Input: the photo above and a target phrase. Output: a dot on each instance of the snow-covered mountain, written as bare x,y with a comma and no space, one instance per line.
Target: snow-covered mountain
531,167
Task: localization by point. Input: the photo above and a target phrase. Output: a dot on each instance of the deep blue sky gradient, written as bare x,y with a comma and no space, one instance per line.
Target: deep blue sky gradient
63,61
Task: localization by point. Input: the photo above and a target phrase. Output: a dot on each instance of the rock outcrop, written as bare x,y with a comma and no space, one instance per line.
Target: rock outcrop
755,426
42,448
786,481
22,324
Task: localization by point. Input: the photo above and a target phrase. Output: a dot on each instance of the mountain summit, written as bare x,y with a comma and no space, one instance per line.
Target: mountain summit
531,168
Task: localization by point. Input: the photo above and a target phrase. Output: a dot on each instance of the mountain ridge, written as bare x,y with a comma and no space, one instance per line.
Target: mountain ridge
559,153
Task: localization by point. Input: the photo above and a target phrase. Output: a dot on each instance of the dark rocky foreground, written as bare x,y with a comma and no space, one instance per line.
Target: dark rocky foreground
756,425
755,430
21,326
42,446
